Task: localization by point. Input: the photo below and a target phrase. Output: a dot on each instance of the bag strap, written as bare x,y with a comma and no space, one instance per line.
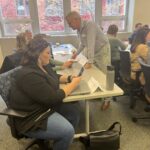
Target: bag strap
113,126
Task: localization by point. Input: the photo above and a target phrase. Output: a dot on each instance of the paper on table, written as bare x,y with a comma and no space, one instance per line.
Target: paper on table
61,53
64,49
94,85
82,60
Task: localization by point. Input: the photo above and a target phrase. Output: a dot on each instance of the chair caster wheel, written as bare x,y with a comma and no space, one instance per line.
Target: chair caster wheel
132,106
134,119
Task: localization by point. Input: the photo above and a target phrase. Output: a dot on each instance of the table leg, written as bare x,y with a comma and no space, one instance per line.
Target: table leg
87,115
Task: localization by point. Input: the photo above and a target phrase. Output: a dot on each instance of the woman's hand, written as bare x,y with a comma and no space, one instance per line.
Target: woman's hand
76,80
74,55
72,85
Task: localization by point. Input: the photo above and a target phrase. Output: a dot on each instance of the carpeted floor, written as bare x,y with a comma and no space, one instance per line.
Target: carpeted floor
135,136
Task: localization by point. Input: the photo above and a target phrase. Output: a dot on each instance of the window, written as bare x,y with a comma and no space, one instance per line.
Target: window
22,8
14,15
114,12
86,8
13,9
51,15
48,15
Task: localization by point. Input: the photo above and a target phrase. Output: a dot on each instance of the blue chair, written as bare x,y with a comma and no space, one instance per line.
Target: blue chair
6,80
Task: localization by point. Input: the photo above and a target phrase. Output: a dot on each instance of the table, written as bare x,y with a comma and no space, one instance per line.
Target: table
100,77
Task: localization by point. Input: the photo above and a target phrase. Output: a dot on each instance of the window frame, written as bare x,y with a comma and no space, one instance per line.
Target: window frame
4,21
34,19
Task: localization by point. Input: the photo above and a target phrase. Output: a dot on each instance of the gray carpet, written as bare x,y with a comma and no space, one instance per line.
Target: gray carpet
135,136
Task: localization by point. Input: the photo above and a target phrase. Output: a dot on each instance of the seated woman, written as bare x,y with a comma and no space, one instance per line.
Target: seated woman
115,46
139,48
36,90
13,61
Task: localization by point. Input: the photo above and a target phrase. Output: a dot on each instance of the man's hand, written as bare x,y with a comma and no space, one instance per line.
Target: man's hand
67,64
74,55
87,66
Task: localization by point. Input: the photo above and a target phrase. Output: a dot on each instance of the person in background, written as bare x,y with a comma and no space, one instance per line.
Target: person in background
115,45
93,43
36,91
132,36
146,26
12,61
28,35
139,48
56,65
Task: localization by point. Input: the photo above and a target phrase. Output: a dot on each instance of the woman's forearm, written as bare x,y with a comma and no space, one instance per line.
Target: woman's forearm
70,87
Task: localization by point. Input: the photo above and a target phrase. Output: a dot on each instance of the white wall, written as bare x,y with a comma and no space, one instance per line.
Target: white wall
141,12
7,44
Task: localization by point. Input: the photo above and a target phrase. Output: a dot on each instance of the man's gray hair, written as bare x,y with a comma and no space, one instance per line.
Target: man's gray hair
73,15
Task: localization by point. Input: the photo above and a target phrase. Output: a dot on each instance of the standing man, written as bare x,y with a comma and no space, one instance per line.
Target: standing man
93,43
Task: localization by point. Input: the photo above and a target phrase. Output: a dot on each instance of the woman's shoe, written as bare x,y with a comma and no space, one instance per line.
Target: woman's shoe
147,108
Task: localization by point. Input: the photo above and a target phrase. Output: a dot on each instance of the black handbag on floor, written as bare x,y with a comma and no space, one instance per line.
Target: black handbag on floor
103,140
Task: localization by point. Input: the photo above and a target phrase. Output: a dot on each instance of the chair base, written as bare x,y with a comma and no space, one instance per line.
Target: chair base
42,144
135,119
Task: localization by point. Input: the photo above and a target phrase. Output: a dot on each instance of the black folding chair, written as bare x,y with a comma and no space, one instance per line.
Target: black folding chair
131,87
146,71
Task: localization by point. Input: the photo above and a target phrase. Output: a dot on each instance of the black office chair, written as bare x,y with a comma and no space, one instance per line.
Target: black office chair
131,87
146,71
5,83
116,65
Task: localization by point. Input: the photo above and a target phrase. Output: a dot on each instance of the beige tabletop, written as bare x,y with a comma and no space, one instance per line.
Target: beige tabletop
99,76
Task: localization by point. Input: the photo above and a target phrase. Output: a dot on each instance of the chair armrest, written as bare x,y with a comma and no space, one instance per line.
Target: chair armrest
14,113
137,71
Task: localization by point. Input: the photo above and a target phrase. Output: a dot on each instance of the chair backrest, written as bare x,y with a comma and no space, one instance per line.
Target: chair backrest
146,71
148,57
5,83
125,64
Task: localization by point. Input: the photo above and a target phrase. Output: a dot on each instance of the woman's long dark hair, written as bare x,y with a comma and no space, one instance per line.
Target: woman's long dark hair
33,50
140,38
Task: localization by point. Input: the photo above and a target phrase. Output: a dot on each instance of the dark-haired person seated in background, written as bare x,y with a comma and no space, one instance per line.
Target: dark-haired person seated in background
132,36
146,26
115,46
139,48
36,90
13,61
28,35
